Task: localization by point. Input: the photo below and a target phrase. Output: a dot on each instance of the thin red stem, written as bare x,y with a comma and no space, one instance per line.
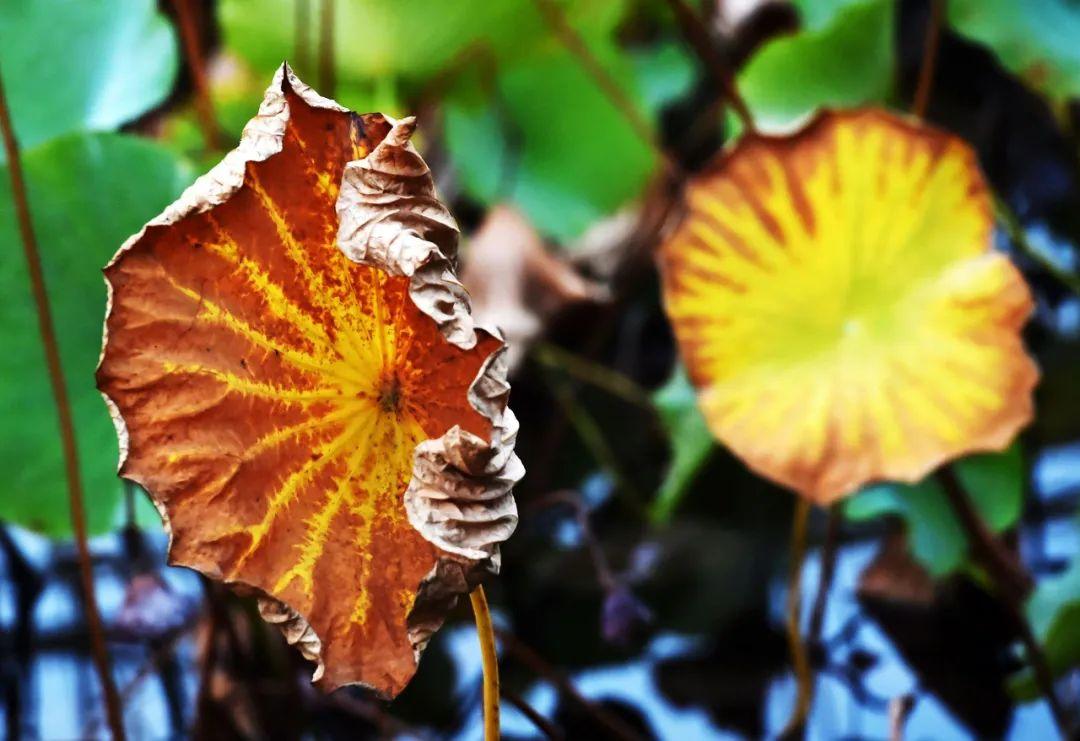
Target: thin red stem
695,33
1011,578
301,37
799,659
1013,585
828,571
204,106
327,79
67,425
556,20
613,724
571,498
929,60
542,724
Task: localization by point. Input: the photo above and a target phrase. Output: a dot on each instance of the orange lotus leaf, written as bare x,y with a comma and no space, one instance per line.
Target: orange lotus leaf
296,379
840,308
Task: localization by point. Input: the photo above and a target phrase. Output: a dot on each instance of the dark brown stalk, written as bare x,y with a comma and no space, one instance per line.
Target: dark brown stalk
658,204
591,433
327,80
572,499
828,571
19,643
215,617
556,20
929,60
1009,575
1017,234
527,656
302,35
542,724
150,664
694,31
67,425
799,660
369,710
1013,584
188,22
595,374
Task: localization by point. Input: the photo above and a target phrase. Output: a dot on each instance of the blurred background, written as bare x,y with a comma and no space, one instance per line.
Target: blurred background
643,594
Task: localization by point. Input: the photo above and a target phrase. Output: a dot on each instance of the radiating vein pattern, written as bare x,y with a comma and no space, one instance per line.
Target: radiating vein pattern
274,393
839,307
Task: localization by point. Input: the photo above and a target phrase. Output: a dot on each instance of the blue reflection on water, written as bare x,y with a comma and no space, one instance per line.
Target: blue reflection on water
632,682
1056,472
63,686
836,712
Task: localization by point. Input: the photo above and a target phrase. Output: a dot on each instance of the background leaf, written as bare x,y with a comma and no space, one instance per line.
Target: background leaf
119,60
527,140
1054,612
816,14
518,107
662,73
1039,40
380,41
995,483
88,193
689,439
552,108
793,76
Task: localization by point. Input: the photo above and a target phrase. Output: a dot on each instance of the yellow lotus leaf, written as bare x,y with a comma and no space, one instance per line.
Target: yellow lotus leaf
839,306
296,380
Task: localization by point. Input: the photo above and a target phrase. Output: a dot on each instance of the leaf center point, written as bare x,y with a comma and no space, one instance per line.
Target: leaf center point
390,394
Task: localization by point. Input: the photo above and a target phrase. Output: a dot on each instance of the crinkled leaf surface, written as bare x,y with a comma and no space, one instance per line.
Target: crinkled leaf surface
1036,39
996,484
87,192
119,60
840,309
843,56
274,392
688,437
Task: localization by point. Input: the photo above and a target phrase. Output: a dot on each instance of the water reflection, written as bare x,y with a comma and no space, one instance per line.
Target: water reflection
946,652
862,670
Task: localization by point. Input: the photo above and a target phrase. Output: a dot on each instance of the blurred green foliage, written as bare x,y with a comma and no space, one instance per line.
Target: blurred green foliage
118,58
412,41
1054,612
523,119
995,483
88,192
818,14
532,137
688,437
843,56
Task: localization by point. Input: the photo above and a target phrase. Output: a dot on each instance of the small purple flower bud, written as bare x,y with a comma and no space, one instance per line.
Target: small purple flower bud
624,616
